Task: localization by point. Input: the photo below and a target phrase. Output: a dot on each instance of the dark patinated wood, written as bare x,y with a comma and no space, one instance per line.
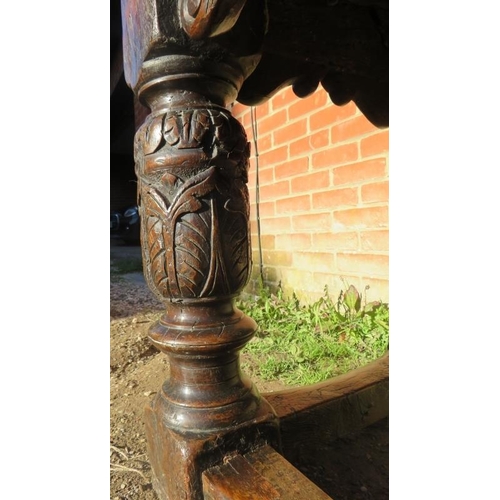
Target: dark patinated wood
325,412
341,44
191,162
236,479
259,475
188,61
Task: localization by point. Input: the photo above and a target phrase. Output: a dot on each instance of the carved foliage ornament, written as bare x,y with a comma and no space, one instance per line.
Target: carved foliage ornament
206,18
192,169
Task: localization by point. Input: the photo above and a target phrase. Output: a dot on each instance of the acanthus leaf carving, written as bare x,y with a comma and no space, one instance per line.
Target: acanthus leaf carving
198,244
192,252
188,197
153,245
153,135
236,250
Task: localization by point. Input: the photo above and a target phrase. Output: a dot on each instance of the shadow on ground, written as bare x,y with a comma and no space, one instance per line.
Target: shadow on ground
355,467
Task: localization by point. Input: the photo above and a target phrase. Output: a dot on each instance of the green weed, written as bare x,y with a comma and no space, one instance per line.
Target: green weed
304,344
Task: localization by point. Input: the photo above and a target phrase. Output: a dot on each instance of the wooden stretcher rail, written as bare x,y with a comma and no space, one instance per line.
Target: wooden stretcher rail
260,475
330,410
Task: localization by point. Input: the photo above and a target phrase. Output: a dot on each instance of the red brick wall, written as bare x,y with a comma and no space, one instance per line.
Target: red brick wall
323,175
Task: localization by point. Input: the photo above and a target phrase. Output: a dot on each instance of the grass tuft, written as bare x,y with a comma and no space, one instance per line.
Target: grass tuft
304,344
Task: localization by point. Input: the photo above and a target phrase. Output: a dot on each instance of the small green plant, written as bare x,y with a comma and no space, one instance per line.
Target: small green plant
303,344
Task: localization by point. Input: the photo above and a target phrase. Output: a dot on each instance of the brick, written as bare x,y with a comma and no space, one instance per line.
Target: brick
244,119
255,255
276,155
293,241
266,209
265,143
267,241
266,176
291,168
290,132
373,265
378,289
252,176
359,172
330,115
277,258
375,144
283,98
295,280
284,170
375,192
319,139
261,111
335,198
351,129
249,135
276,225
311,103
335,241
300,147
314,261
253,200
310,182
253,210
239,109
374,240
335,156
361,218
294,204
272,122
312,222
275,190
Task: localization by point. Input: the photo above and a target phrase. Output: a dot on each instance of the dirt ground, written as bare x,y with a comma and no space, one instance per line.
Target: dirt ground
355,469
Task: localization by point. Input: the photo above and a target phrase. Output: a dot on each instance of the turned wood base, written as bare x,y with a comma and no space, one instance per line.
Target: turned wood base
179,460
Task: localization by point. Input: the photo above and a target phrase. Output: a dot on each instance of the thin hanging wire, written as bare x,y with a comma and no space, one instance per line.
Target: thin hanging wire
253,117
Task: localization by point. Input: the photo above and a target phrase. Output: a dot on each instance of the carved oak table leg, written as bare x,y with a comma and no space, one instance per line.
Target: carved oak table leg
186,60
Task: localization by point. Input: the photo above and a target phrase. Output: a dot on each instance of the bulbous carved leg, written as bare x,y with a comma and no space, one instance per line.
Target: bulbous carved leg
192,169
186,60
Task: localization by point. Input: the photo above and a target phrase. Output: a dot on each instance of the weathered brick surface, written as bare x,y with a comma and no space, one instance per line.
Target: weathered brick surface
310,182
361,218
360,172
376,192
330,115
324,196
290,168
377,241
334,198
293,204
375,144
312,223
336,155
335,241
